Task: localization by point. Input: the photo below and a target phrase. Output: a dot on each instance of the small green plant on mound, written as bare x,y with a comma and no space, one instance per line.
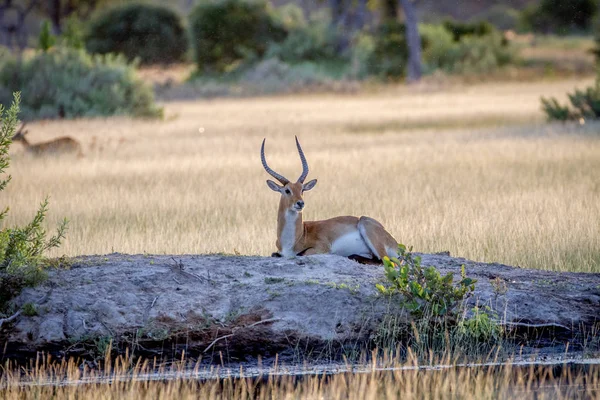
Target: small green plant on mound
21,248
585,105
69,83
152,34
481,326
424,290
436,305
29,310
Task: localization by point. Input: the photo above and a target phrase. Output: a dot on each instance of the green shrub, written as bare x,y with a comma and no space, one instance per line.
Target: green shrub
440,324
228,32
313,41
482,326
555,111
152,34
585,105
21,248
461,29
70,83
438,55
361,54
385,53
472,54
479,55
390,53
559,16
46,39
73,34
29,310
424,291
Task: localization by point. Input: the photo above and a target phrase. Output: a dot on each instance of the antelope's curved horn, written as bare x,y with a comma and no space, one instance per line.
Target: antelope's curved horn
304,163
280,178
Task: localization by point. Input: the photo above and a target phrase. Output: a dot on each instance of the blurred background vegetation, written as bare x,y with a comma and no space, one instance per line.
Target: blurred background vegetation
73,58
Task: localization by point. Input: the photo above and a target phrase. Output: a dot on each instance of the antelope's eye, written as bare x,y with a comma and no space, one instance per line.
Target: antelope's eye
287,191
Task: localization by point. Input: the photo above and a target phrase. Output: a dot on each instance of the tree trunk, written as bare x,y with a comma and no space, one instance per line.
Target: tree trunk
339,19
13,29
55,16
413,39
335,7
362,12
390,10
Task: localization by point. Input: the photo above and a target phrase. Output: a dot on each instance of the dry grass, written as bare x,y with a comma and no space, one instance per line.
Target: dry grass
472,170
558,55
376,381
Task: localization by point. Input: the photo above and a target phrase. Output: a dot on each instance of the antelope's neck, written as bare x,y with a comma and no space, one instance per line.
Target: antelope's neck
289,232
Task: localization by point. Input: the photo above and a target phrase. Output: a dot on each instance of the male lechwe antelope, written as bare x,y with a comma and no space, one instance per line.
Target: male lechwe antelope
361,238
61,145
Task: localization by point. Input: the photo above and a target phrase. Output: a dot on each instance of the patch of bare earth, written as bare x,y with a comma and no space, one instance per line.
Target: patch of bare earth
239,308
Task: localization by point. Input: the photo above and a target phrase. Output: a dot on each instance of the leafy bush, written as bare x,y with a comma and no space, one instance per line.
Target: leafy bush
70,83
441,46
479,55
472,54
21,248
228,32
152,34
313,41
461,29
559,16
390,53
440,323
480,49
424,290
555,111
73,34
585,104
481,327
362,52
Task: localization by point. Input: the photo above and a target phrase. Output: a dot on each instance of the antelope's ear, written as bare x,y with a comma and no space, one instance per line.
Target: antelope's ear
309,185
274,187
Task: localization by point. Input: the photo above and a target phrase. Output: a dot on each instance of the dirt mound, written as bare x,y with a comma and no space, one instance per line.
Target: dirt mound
249,306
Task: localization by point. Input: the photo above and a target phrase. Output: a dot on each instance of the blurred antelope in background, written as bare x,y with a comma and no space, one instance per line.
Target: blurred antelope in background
363,239
61,145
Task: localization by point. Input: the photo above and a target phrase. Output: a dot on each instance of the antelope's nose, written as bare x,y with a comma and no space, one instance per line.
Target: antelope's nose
300,204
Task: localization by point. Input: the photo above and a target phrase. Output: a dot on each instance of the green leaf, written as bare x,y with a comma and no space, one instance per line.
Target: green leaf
382,289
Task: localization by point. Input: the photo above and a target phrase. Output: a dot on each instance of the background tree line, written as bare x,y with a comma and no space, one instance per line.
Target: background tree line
245,41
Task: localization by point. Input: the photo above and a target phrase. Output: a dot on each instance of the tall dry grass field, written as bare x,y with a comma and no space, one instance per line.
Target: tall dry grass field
401,381
473,170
